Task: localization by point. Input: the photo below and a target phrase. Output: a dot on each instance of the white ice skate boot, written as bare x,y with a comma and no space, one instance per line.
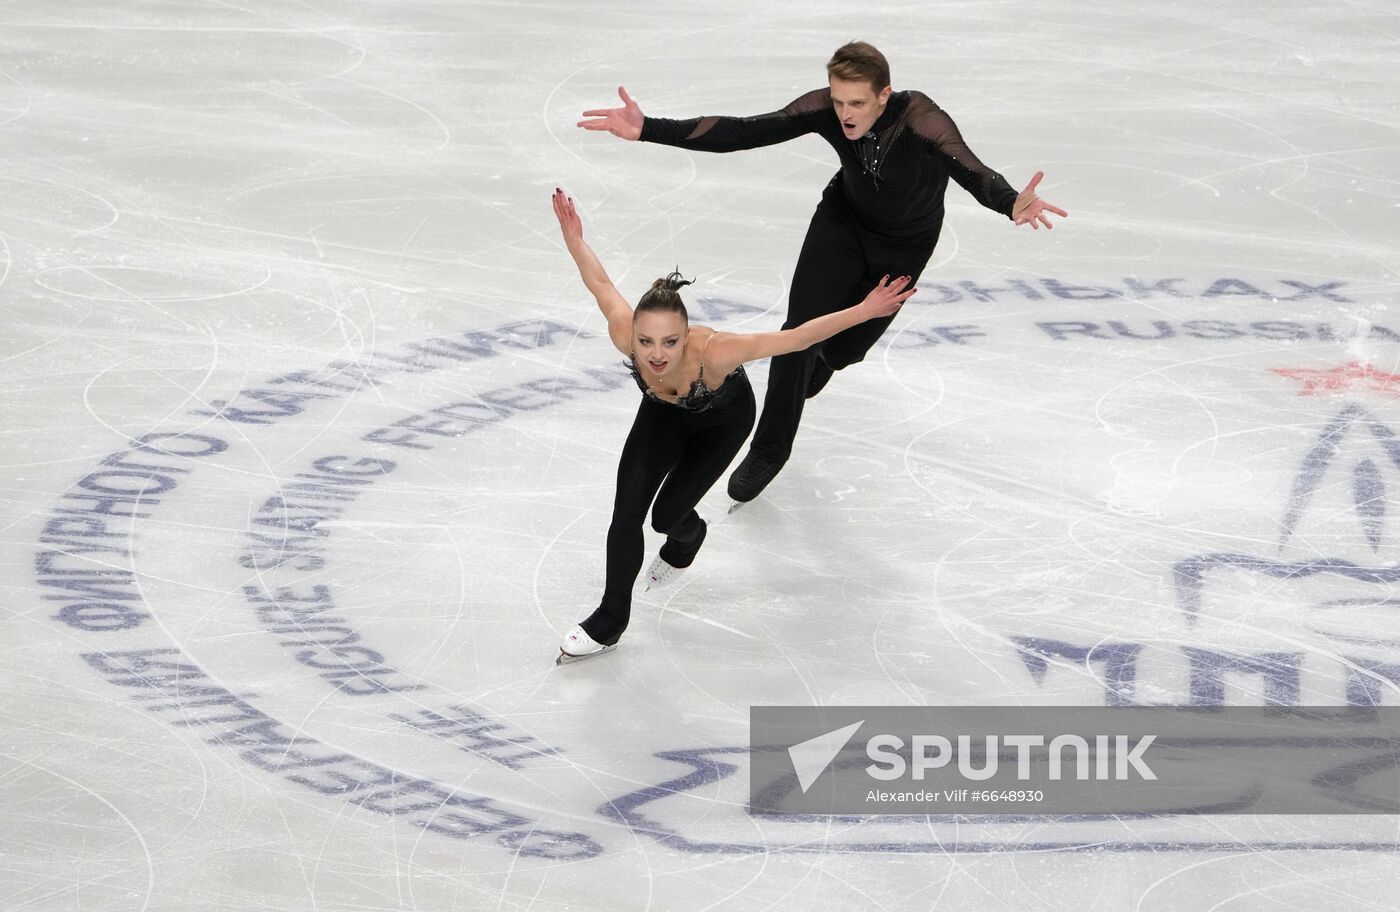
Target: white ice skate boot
661,573
663,569
578,646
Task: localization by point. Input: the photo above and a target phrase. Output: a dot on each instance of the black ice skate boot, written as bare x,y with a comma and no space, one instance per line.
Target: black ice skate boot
754,474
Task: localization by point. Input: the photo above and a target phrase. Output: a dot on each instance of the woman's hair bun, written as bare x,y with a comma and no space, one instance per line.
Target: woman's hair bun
673,282
663,297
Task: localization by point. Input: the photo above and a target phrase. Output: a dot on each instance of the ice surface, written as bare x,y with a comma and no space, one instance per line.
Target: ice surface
247,250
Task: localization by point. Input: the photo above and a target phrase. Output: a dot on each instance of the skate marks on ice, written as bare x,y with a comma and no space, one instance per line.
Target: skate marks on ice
283,570
681,813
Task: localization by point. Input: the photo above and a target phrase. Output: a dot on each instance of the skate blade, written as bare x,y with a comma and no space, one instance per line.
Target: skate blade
567,659
737,504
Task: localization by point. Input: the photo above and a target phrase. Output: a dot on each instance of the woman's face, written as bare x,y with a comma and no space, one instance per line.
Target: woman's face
658,340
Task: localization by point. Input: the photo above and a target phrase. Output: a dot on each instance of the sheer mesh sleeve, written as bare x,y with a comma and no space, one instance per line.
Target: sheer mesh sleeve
731,134
932,124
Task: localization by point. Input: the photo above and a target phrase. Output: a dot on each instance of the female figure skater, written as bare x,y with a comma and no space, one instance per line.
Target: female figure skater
697,409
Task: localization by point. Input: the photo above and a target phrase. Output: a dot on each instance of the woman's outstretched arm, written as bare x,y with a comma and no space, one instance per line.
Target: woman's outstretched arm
595,278
729,350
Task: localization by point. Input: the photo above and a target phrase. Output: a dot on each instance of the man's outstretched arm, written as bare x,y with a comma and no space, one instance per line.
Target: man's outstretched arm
709,134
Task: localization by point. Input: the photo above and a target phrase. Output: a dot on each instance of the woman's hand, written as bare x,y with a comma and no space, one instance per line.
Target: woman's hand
569,222
887,297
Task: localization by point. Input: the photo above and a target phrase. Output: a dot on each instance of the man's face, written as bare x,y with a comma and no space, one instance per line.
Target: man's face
857,105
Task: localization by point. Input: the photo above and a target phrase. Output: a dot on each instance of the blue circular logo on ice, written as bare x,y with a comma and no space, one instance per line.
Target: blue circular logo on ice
284,564
87,568
88,539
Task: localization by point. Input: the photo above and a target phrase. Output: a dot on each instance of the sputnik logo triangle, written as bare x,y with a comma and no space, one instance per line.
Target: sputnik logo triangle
811,758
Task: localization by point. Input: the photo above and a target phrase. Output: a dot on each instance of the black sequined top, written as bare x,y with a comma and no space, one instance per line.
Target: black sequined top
893,178
700,397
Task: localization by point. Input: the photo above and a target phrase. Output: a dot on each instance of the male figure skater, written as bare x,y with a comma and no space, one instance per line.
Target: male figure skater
879,215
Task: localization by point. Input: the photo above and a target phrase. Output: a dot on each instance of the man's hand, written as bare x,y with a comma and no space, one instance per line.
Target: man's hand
625,121
1031,209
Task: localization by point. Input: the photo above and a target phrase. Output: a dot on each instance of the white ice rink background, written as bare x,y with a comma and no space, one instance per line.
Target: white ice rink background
309,432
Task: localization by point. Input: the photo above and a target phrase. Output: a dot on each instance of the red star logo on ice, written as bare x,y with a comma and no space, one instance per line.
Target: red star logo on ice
1350,376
